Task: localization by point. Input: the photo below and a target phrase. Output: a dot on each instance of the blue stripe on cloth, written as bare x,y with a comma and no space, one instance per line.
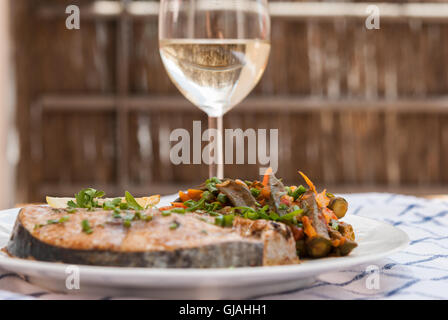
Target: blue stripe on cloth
409,208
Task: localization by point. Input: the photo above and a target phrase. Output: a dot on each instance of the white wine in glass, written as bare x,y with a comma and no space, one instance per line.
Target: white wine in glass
215,52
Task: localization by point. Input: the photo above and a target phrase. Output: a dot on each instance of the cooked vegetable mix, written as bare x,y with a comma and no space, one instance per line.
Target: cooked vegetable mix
313,217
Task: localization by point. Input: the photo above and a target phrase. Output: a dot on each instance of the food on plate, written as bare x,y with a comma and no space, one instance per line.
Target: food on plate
221,223
148,239
312,216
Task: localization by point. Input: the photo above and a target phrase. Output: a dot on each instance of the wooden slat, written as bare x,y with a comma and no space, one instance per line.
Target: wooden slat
278,9
85,103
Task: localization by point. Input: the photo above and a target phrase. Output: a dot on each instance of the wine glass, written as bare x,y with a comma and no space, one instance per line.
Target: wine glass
215,52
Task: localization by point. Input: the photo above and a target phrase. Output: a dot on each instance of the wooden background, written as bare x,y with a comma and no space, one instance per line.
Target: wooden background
356,109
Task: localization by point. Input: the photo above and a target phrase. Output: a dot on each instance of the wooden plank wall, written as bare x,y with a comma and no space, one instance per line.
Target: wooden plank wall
356,109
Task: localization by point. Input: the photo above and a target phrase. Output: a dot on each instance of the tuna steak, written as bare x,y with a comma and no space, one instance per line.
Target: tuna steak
188,240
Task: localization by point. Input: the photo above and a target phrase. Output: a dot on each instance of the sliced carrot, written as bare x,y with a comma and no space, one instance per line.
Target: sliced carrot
166,208
331,214
342,240
178,205
292,188
322,199
266,176
183,196
266,192
195,194
308,228
308,182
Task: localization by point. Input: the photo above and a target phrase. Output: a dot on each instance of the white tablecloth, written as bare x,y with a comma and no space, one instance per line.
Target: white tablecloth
418,272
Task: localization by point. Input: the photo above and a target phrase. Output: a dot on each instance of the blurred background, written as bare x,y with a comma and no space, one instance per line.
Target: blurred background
358,110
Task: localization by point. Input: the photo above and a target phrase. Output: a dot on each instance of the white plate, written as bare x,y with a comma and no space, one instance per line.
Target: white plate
376,240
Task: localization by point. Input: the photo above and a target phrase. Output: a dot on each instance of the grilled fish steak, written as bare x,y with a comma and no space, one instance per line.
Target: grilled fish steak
193,242
279,246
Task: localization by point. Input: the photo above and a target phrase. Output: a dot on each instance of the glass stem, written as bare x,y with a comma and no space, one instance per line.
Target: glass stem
216,166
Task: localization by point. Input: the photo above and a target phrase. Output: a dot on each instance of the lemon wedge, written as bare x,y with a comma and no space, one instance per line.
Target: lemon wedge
58,202
145,202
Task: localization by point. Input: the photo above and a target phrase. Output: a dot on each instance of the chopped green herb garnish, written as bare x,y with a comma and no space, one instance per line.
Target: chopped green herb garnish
222,198
298,192
214,180
334,225
64,219
210,184
108,205
255,192
274,216
228,220
189,203
127,223
116,213
252,215
123,206
86,198
219,220
292,216
198,205
140,216
178,210
137,215
132,203
72,204
52,221
116,202
174,225
224,220
208,196
86,227
209,207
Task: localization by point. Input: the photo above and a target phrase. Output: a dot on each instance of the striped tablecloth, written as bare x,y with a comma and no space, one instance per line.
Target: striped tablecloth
418,272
